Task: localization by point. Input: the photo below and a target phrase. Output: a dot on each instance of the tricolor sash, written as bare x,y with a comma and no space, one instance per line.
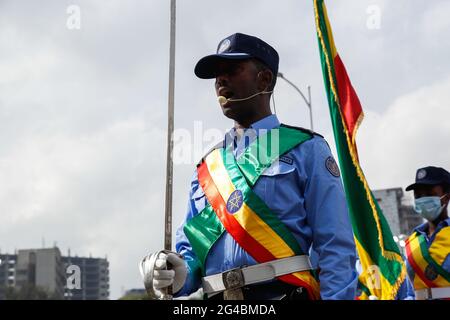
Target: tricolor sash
427,261
234,207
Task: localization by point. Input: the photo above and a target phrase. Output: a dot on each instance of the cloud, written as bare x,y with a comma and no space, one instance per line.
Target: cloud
411,133
435,21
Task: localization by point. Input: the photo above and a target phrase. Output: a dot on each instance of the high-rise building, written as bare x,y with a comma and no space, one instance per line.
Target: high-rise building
399,214
42,268
389,201
94,284
409,219
48,270
7,272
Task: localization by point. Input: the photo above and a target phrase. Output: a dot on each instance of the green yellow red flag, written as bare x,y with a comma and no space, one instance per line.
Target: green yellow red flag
383,269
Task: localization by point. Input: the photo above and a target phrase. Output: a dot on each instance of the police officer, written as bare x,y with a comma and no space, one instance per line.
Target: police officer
428,248
252,220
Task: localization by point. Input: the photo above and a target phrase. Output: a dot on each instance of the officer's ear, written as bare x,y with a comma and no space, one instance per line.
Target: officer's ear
446,198
265,78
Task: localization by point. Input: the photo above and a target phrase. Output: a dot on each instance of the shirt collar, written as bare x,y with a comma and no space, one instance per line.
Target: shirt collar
268,123
423,228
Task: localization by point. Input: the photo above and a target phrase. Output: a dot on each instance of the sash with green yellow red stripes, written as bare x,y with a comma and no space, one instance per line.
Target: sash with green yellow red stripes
233,206
427,261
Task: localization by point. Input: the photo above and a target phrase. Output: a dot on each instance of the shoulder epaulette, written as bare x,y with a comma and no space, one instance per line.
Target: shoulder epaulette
302,129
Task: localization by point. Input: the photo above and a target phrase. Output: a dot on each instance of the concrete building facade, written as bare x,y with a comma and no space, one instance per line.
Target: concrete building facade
398,212
94,284
42,268
7,272
48,270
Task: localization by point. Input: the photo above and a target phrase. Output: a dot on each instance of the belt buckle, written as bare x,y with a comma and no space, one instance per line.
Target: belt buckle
234,281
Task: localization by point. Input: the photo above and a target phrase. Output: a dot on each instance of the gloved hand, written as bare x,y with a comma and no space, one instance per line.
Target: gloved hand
176,273
161,276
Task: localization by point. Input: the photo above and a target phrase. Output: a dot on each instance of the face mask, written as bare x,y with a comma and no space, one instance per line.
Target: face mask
429,207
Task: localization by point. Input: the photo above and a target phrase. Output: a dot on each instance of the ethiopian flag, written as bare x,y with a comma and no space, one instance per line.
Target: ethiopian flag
383,269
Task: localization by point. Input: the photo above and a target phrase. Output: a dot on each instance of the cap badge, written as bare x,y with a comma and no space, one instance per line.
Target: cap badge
421,174
224,45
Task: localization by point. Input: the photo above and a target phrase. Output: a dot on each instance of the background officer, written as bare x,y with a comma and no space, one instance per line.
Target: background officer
428,248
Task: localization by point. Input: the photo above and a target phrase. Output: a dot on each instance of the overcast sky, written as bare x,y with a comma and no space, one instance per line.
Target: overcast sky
83,111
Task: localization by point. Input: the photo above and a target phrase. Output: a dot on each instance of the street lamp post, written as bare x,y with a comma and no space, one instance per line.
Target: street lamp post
307,101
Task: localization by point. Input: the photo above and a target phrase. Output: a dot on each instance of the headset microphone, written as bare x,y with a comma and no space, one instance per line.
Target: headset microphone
222,100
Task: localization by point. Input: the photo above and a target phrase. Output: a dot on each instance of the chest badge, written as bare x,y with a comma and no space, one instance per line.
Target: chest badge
235,201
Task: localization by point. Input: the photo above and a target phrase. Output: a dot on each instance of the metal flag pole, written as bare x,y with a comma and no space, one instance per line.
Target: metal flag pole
167,293
169,160
149,261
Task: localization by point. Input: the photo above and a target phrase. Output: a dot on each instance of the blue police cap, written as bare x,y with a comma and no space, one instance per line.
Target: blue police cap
430,176
238,46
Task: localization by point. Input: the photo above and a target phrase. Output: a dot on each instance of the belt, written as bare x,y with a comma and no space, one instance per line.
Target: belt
239,277
273,290
433,293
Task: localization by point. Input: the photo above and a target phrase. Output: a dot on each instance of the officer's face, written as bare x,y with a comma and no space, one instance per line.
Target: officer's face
237,79
431,191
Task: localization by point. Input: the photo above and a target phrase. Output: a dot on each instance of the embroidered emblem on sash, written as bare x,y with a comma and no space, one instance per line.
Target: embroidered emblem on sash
235,201
431,273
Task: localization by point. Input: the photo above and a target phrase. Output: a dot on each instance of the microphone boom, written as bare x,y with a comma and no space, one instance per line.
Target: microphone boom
222,100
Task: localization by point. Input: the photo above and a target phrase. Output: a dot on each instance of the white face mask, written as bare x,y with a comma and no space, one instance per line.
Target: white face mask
429,207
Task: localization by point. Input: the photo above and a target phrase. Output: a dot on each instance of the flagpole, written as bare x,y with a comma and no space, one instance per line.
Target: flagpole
169,159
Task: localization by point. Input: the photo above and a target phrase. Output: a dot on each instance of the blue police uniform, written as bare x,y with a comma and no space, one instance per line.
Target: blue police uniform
428,176
423,230
308,197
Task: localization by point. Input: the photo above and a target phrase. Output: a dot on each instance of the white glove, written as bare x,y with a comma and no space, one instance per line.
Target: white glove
163,278
372,297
